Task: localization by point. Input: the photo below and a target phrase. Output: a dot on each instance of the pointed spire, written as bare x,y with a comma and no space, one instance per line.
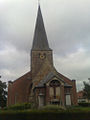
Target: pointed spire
40,41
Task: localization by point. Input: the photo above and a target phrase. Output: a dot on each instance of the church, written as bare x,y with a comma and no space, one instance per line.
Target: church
43,84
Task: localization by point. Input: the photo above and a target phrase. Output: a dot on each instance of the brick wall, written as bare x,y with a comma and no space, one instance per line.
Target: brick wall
18,91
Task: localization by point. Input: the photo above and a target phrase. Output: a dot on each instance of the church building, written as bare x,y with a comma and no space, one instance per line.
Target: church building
43,84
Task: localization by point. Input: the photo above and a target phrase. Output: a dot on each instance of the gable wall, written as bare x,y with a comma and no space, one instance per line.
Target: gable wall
18,91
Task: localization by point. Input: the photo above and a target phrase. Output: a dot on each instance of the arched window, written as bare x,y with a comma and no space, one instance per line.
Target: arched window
53,86
54,83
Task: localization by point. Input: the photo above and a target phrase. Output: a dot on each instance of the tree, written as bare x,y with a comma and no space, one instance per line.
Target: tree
3,94
87,90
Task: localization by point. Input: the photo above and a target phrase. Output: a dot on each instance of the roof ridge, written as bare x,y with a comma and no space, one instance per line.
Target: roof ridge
23,76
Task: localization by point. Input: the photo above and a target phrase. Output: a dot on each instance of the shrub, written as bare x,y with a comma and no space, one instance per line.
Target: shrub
52,108
84,104
22,106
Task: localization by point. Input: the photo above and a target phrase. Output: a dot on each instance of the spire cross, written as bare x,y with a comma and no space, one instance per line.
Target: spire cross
38,2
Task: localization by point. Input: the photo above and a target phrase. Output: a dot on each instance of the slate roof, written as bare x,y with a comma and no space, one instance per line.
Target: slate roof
40,41
48,77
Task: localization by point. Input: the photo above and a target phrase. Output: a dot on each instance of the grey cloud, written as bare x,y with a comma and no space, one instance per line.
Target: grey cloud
67,25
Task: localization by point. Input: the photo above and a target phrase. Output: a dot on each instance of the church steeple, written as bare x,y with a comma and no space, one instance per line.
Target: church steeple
40,41
40,52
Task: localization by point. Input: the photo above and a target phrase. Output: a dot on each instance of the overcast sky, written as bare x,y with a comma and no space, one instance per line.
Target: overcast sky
67,24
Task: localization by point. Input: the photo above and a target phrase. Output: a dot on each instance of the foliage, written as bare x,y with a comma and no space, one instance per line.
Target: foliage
87,90
78,109
49,112
84,104
71,113
22,106
53,108
3,94
45,115
48,109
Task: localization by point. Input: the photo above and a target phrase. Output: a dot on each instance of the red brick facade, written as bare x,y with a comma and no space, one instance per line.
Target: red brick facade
18,91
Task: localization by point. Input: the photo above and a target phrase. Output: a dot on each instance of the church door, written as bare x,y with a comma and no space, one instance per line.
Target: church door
68,100
41,100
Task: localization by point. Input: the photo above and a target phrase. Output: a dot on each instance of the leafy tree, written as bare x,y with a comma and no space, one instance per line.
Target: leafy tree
87,90
3,94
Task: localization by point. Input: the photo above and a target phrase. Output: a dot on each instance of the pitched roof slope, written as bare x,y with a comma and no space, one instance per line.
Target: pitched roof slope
25,76
50,76
67,80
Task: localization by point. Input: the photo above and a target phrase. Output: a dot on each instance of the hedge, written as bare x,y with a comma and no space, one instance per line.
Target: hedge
22,106
84,104
45,116
25,112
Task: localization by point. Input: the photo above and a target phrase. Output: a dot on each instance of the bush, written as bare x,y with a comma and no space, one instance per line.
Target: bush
84,104
23,106
52,108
